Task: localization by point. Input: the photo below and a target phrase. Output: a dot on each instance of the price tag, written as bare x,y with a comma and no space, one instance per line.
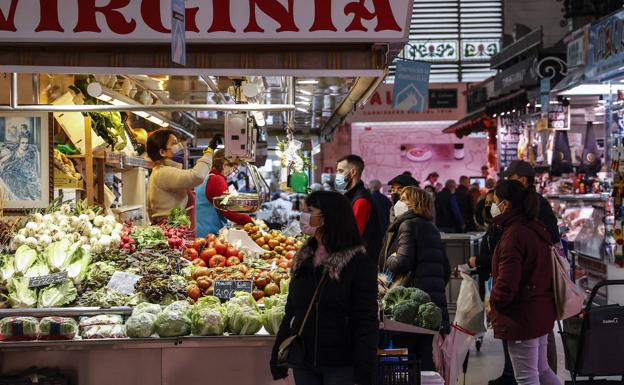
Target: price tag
47,279
123,282
226,289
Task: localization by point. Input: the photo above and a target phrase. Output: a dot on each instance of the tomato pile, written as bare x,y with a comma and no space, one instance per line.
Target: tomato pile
280,249
212,252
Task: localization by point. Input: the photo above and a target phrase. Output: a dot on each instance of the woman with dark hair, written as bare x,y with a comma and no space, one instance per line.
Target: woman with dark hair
170,185
522,302
415,256
209,219
340,335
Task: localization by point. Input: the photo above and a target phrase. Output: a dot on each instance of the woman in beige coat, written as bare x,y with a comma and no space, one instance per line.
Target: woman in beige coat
169,184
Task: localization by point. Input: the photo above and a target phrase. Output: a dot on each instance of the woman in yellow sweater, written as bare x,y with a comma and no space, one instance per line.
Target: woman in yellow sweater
170,185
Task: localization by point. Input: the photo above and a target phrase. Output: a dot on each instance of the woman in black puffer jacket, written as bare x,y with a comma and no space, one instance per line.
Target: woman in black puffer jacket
415,256
340,336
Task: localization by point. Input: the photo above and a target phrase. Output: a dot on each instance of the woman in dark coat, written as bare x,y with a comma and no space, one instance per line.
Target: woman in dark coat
522,302
340,335
415,256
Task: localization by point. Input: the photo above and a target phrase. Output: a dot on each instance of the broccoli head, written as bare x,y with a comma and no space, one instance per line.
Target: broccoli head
405,312
419,296
394,296
429,316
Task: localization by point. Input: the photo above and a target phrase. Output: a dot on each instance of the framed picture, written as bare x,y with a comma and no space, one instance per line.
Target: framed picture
25,160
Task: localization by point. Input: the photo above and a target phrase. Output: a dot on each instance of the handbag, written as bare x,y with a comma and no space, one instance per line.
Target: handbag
292,350
568,297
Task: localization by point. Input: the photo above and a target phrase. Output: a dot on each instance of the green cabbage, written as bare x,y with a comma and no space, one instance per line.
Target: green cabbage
57,254
39,269
171,323
142,325
20,296
8,267
147,308
57,295
25,257
243,321
207,321
272,318
77,270
284,286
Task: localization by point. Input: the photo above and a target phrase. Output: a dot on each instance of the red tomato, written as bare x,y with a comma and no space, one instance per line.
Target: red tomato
199,262
190,254
221,248
211,237
290,255
233,261
199,244
241,255
231,252
217,261
208,253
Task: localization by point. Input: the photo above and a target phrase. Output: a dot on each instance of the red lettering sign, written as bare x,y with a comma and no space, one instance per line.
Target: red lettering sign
376,99
221,21
274,9
8,23
381,10
323,16
49,17
116,21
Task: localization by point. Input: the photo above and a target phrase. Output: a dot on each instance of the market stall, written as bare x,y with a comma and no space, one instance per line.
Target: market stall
92,288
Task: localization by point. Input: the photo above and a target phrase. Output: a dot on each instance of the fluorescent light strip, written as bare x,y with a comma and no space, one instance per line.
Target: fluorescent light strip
305,92
302,109
304,98
308,81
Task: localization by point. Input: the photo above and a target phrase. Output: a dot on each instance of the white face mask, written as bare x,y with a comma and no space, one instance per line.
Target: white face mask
495,210
400,208
304,224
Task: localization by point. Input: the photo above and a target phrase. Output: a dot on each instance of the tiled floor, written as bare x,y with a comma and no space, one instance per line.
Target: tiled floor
488,363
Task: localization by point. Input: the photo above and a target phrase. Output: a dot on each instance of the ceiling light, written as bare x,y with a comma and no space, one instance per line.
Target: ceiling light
305,92
308,81
303,103
592,89
302,109
307,99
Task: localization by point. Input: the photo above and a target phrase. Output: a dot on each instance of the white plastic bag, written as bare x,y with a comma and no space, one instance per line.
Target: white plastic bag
470,313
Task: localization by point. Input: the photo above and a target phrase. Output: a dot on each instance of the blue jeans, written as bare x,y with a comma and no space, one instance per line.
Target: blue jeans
530,362
324,376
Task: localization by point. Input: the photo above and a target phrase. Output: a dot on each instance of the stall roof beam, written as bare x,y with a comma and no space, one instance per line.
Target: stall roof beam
160,107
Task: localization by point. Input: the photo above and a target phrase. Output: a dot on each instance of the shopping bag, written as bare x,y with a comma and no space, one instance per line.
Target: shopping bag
470,314
449,352
568,297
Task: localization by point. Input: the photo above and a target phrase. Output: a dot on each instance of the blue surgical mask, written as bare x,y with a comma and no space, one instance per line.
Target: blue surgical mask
178,157
342,182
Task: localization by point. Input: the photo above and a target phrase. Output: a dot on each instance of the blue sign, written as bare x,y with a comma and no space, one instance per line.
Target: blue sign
545,95
605,54
411,86
178,32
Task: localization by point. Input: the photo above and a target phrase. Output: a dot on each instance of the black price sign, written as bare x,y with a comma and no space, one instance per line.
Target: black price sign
47,279
226,289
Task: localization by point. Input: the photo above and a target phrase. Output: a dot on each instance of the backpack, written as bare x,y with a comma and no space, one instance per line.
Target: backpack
568,297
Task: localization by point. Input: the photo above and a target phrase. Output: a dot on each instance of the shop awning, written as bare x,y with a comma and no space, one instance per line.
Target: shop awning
571,80
507,103
475,122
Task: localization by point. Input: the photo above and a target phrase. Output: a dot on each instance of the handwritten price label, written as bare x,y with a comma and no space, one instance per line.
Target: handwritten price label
226,289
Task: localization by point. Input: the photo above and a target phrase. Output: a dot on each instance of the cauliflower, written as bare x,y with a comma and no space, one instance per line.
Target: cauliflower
429,316
406,312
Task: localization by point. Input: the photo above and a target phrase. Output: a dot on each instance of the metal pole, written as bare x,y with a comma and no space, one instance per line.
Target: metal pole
160,107
35,86
13,92
290,116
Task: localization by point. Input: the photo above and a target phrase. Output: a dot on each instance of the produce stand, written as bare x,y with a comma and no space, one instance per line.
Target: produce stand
228,359
394,326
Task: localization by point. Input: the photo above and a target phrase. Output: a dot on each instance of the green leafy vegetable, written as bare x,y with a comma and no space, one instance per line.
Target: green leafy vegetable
57,255
25,257
148,237
57,295
20,296
394,296
243,321
142,325
406,312
178,217
58,327
147,308
173,323
275,300
39,269
77,270
18,328
272,318
207,321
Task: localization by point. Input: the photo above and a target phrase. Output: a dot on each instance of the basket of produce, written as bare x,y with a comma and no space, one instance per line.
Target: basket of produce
239,202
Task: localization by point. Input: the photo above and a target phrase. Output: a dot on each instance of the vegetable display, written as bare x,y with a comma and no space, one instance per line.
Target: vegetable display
412,306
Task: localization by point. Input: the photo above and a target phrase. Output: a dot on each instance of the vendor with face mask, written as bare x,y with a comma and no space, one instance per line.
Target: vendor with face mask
209,219
397,184
170,185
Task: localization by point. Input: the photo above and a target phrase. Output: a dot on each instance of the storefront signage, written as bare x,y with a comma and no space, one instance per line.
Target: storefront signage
559,117
479,50
576,52
606,47
515,77
443,98
226,289
379,107
411,83
178,32
207,21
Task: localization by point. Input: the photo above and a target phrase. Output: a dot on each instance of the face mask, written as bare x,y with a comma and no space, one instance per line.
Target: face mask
400,208
178,157
304,224
342,182
395,198
495,210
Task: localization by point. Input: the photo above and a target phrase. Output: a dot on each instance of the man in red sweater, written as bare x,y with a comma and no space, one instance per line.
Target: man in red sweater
349,171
